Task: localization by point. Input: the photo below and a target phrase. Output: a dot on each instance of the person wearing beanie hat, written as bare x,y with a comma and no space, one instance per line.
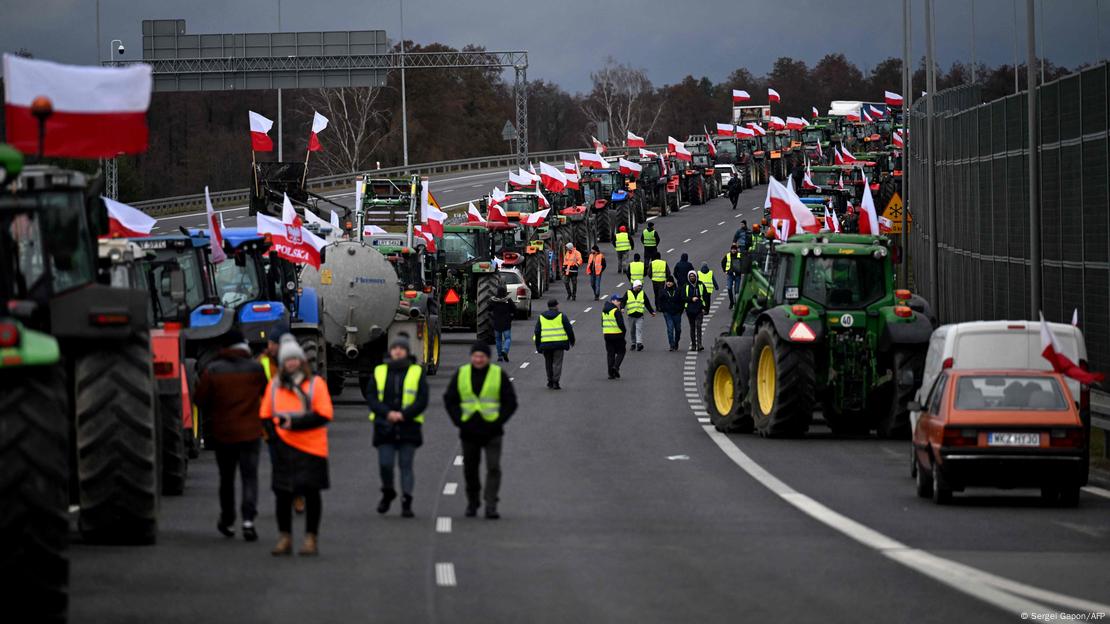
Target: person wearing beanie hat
635,302
480,399
269,357
650,240
229,395
595,266
397,394
553,336
572,261
502,309
295,412
612,332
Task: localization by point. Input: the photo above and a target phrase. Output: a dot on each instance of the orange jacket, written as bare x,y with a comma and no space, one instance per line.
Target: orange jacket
572,258
284,401
595,264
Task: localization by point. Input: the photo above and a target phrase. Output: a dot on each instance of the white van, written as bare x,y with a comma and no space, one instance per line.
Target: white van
999,345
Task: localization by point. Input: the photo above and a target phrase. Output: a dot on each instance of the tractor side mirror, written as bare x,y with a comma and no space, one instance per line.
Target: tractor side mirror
177,286
761,301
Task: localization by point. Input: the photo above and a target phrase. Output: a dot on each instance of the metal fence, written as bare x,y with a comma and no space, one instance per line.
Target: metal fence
982,233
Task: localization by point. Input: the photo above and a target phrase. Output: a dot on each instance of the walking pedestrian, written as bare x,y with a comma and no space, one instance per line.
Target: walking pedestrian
670,304
733,265
595,266
553,336
612,330
659,274
397,394
696,302
743,236
230,393
635,303
502,310
572,260
269,362
295,412
623,244
650,239
706,277
681,269
636,269
480,399
734,189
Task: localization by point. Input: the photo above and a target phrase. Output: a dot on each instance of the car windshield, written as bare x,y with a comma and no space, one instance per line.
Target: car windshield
589,194
608,183
511,278
31,240
991,392
459,247
844,282
237,284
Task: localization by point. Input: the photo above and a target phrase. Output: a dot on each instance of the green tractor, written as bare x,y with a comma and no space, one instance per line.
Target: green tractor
819,325
468,280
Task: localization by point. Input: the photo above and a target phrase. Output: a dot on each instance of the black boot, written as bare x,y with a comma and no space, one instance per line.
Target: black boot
406,506
387,499
491,512
471,510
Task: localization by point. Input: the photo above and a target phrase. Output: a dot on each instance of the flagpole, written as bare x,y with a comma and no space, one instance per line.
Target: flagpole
304,176
254,173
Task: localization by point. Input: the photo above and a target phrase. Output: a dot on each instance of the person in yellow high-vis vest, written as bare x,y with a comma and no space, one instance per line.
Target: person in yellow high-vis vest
636,303
553,337
397,393
650,239
637,269
660,273
612,331
623,244
480,399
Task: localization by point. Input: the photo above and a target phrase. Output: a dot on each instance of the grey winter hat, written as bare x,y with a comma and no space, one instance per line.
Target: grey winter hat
401,341
289,349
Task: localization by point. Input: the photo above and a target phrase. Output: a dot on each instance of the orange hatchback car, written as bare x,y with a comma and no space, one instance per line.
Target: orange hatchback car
999,428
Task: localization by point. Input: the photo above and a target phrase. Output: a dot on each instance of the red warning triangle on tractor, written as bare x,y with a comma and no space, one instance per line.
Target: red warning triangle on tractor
451,296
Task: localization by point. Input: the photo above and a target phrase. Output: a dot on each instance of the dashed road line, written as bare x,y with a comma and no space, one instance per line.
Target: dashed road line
620,285
458,460
703,231
653,218
738,216
587,309
524,365
445,574
669,250
450,488
703,420
721,223
443,524
700,413
686,241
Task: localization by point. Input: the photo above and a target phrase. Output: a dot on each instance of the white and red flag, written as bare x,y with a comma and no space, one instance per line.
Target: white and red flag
99,112
852,116
866,115
592,160
520,178
570,170
785,205
815,113
744,132
372,230
758,129
868,217
709,143
644,153
772,95
552,179
635,141
776,123
627,167
847,156
807,182
796,123
893,99
599,147
495,211
739,95
125,221
423,235
535,219
726,130
319,123
832,223
1061,363
541,199
840,182
898,138
260,129
820,152
876,112
430,213
215,231
472,214
289,239
679,149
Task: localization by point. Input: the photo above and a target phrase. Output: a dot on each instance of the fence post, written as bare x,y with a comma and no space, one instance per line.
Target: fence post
1034,199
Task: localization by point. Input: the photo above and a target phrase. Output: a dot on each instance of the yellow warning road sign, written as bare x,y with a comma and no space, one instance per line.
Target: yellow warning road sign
895,213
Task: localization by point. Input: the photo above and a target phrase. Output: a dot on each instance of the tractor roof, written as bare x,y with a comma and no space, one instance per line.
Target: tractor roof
235,236
835,244
196,238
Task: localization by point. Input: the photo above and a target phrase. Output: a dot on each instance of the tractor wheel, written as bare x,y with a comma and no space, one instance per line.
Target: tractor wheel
580,235
34,493
534,274
174,457
641,209
117,436
431,366
726,386
624,217
335,381
487,289
604,228
664,202
894,421
784,378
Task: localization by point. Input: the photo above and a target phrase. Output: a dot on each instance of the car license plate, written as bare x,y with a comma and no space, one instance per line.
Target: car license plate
1013,439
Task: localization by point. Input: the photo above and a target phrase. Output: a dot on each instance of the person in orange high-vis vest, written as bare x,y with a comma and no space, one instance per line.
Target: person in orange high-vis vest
595,266
295,412
572,261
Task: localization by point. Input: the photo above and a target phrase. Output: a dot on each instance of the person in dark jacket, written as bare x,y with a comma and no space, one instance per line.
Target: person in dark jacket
743,237
671,303
480,410
502,311
734,188
230,393
398,396
553,337
734,264
681,268
613,331
697,302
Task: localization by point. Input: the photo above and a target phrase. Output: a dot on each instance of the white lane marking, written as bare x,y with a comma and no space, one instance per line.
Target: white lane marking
443,524
587,309
653,218
686,241
476,185
684,206
446,190
1003,593
701,413
721,223
678,457
512,378
1097,491
445,574
738,216
450,488
524,365
621,284
458,460
573,321
703,420
703,231
669,250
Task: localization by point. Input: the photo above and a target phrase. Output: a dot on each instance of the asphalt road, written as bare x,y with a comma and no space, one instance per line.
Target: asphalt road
619,504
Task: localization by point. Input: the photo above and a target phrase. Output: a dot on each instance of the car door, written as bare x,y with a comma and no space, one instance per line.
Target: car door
931,421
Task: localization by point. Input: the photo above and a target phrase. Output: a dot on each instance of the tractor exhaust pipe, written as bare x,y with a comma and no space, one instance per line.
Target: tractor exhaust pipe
350,349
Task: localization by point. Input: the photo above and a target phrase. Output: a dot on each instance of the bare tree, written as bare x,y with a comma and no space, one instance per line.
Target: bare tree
624,98
357,125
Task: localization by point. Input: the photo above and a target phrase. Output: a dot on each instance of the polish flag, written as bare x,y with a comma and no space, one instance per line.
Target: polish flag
776,123
552,179
820,152
744,133
1061,363
868,218
739,95
635,141
807,182
372,230
679,149
472,214
898,139
430,213
709,143
772,95
726,130
99,112
592,160
627,167
892,99
541,199
852,116
319,122
647,153
840,182
599,147
532,172
875,112
520,178
866,115
832,223
215,230
846,155
785,205
290,240
796,123
535,219
260,129
125,221
815,113
428,238
496,213
570,170
758,129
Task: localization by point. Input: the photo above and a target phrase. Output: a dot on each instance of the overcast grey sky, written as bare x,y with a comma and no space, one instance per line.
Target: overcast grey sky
566,39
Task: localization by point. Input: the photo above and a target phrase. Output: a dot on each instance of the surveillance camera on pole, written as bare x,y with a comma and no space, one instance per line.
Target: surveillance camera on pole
120,49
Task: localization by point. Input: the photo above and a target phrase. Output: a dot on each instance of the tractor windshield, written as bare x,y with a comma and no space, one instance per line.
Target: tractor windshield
726,148
460,247
192,271
47,250
526,205
813,136
843,282
651,169
237,282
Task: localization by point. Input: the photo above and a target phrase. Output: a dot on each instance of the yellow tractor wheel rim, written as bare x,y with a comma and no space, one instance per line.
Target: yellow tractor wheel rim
435,350
765,379
427,344
722,390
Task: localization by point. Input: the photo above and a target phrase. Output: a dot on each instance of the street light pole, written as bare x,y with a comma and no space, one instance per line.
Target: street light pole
1034,199
907,97
404,111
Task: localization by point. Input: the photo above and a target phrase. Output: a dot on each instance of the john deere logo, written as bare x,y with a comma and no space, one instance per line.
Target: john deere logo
847,320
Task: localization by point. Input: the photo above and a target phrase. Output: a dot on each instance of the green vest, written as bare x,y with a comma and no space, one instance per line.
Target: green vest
609,322
552,330
649,238
635,303
410,388
488,402
265,362
659,270
706,278
622,242
636,270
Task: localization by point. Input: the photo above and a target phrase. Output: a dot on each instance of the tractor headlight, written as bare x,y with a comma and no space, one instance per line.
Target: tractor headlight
879,253
817,251
805,251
